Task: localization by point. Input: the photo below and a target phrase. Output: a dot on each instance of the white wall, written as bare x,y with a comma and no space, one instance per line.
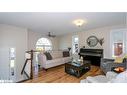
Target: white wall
22,40
4,66
16,37
34,36
126,20
65,41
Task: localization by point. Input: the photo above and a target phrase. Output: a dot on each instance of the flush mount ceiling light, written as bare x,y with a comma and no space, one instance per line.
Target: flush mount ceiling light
79,22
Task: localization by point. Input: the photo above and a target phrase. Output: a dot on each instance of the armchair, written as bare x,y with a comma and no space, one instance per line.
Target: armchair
107,64
100,78
111,77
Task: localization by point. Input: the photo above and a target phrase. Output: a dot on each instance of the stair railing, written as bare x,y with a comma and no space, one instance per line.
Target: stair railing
26,62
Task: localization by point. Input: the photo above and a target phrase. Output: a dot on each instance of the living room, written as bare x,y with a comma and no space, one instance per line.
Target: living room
63,47
21,32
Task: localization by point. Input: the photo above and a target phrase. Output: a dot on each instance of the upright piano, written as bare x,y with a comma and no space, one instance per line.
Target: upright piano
92,55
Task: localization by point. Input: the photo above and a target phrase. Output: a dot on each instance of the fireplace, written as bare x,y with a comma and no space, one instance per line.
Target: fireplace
92,55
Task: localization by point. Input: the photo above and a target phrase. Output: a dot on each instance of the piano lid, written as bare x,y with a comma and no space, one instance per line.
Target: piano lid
91,52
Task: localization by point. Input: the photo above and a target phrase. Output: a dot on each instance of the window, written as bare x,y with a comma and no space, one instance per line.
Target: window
118,43
118,49
75,44
12,65
44,44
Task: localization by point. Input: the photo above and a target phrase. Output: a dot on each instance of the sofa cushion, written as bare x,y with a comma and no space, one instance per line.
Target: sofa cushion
48,56
53,63
57,60
66,54
67,59
56,54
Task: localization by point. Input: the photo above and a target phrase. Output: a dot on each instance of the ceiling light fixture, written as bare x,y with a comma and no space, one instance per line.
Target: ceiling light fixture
79,22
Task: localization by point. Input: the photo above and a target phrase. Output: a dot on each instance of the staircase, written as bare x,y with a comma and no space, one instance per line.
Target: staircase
27,71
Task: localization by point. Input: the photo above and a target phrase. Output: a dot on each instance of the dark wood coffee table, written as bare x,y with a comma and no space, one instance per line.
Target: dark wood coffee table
77,69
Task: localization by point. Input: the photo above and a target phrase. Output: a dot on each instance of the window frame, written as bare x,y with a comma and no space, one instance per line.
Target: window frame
44,46
124,39
74,44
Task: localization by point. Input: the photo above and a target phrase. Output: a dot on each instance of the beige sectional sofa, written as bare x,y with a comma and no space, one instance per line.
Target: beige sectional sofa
57,59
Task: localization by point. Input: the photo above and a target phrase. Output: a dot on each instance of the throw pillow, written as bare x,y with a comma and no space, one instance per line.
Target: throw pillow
48,56
118,60
125,56
66,54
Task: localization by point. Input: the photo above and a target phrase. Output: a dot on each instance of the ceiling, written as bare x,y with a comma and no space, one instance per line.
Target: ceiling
61,23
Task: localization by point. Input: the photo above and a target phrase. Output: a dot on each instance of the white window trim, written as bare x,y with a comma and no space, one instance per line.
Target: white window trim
44,45
124,41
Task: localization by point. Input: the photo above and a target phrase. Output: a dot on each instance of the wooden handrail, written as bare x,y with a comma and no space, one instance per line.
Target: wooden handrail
31,58
27,75
24,66
31,51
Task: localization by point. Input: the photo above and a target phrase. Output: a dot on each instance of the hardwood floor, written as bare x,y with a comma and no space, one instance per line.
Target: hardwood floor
58,75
